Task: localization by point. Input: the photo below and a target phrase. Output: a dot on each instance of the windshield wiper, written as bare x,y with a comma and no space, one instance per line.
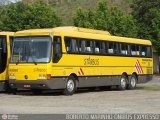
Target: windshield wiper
33,60
17,62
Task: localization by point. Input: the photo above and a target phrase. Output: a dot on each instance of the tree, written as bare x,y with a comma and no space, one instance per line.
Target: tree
111,19
147,13
20,16
84,18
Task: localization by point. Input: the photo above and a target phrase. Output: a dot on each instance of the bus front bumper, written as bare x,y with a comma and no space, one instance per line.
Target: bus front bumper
55,83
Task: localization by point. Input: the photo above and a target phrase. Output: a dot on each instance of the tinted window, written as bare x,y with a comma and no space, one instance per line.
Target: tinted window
74,45
138,48
143,50
133,50
82,46
57,49
123,49
3,53
97,47
116,48
102,47
149,51
110,47
89,46
71,44
68,44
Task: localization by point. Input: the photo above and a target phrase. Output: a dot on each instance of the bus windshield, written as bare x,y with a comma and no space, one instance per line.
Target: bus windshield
31,50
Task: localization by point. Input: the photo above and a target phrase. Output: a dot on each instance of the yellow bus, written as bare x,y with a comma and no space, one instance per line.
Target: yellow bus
5,44
68,58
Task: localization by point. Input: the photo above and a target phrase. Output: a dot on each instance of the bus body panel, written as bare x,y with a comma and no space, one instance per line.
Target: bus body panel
30,71
101,65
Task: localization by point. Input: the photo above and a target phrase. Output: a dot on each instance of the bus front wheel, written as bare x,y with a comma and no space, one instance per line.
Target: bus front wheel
70,86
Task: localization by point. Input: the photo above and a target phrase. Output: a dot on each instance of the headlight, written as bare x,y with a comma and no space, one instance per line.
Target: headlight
12,77
42,76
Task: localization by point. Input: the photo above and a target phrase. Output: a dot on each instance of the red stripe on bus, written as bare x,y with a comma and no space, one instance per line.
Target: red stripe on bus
140,66
136,65
81,71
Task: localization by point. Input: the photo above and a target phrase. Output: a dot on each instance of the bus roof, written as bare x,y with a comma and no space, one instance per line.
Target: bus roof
63,29
82,33
7,33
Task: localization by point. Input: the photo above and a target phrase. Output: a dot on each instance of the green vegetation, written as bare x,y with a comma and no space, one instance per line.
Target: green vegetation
142,22
21,16
147,13
131,18
111,19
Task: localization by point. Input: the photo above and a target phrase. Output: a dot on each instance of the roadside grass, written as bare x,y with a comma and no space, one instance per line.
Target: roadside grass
148,87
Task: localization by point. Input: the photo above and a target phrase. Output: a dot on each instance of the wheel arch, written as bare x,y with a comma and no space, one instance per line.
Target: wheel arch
74,75
76,78
124,73
134,73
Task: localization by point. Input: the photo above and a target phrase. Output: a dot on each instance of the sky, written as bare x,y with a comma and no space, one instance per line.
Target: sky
14,0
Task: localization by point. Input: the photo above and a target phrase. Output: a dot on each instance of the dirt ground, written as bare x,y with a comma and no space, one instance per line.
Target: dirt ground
144,99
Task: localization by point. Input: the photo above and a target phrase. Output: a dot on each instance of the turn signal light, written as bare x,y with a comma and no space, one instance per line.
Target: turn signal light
48,76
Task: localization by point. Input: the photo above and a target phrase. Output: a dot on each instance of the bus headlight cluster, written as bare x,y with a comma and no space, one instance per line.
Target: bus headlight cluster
12,77
40,76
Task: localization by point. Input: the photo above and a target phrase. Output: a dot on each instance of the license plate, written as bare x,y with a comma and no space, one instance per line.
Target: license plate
27,86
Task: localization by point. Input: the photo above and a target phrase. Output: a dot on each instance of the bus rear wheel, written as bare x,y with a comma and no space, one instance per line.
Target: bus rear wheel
132,82
123,82
70,86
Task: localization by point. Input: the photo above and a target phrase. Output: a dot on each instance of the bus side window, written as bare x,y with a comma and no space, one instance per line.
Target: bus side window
110,47
89,46
97,47
106,47
57,49
74,46
138,50
128,49
102,48
81,46
116,48
123,49
133,50
68,44
143,51
149,51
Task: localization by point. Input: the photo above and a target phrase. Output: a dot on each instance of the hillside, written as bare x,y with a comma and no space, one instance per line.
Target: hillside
67,8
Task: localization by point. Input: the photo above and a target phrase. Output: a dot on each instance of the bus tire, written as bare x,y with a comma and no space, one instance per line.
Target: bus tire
132,82
7,87
70,86
123,82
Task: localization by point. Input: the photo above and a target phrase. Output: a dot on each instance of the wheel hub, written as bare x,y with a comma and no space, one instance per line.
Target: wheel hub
70,85
123,82
133,82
